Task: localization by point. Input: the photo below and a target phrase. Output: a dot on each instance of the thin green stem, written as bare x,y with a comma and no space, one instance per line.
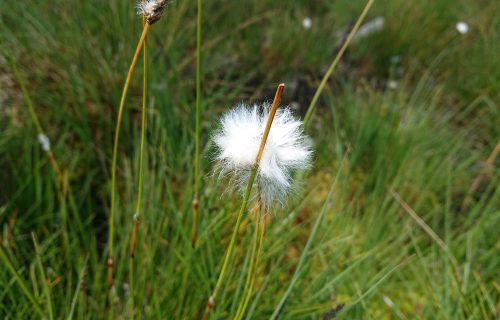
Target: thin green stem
21,282
195,205
247,292
230,248
254,276
131,288
77,290
138,209
46,288
66,188
110,261
36,121
143,133
27,97
335,61
307,248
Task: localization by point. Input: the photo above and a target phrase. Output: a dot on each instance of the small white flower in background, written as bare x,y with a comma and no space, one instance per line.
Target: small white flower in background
462,27
287,149
388,301
392,84
152,10
44,142
307,23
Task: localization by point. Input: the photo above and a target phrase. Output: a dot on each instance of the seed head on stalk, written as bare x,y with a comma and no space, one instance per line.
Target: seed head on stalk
151,10
287,150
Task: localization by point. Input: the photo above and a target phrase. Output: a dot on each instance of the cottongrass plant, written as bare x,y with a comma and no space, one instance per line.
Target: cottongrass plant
249,151
138,210
287,149
151,11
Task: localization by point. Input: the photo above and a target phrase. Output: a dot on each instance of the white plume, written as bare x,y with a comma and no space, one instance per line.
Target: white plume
152,10
287,149
44,142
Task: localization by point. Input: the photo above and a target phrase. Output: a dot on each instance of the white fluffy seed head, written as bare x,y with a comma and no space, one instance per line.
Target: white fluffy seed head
287,149
44,142
152,10
462,27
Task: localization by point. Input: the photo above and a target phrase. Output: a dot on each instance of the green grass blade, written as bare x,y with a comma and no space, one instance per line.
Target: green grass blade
305,252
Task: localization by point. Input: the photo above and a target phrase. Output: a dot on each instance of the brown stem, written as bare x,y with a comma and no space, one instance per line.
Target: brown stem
194,232
133,239
54,165
110,272
272,113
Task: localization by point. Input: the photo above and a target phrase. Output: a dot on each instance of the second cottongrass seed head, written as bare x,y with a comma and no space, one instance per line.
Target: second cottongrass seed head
287,150
151,10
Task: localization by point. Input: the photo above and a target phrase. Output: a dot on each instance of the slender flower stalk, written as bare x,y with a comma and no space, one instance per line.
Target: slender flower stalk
46,288
43,139
138,207
305,252
249,282
138,211
243,208
253,276
335,61
196,201
151,11
115,155
28,292
286,150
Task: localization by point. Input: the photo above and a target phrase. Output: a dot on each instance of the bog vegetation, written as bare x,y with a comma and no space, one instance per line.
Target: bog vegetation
113,203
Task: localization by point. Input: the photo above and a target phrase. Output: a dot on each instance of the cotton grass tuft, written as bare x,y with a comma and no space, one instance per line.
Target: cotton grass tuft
152,10
287,150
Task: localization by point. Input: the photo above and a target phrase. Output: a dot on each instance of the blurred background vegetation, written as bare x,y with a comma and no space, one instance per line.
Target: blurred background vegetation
411,231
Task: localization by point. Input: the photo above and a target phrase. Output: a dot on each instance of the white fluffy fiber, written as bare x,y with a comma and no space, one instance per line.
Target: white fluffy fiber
152,10
146,8
287,149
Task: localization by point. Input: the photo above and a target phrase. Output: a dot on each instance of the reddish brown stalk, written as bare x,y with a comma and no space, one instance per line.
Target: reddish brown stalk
133,239
195,220
54,165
